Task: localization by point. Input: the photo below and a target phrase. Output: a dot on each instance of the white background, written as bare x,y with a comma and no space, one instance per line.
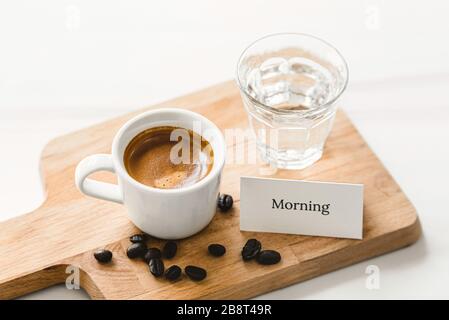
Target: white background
65,65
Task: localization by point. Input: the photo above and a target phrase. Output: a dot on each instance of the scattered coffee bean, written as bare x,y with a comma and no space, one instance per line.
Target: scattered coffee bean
141,237
103,255
224,202
173,273
251,249
195,273
152,253
156,267
217,250
268,257
136,250
169,250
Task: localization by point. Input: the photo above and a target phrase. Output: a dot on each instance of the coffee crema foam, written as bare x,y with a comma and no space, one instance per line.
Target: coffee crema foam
148,158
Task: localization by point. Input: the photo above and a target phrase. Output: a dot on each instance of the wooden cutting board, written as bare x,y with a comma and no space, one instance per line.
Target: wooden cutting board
37,248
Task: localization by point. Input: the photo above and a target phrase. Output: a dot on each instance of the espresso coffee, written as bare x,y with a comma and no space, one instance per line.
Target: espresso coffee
153,159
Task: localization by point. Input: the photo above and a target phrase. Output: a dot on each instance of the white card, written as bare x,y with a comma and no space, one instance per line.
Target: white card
301,207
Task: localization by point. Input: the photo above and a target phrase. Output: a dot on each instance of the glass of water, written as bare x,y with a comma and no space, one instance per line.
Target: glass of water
289,84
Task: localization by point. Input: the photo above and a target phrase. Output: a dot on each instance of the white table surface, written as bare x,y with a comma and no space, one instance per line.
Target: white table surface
65,65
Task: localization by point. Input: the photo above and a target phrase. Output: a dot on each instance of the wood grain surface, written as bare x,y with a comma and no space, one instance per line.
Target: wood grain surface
37,248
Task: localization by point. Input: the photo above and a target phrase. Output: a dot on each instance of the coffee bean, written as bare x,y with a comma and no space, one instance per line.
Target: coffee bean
103,255
136,250
141,237
224,202
156,267
195,273
173,273
169,250
268,257
251,249
217,250
152,253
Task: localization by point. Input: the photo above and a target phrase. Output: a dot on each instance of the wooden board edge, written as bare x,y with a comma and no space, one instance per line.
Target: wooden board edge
41,279
362,251
327,263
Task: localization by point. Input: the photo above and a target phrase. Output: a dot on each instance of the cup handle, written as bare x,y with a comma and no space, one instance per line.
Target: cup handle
94,188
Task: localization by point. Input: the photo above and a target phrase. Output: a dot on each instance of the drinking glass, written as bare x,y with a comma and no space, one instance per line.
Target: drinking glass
289,84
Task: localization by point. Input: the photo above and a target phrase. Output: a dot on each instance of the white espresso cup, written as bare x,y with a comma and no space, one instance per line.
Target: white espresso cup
163,213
